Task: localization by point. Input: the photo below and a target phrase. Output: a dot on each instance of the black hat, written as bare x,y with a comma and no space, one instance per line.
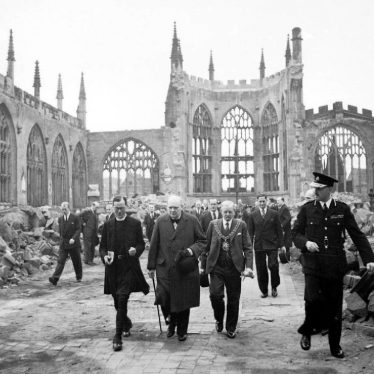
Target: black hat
185,264
322,180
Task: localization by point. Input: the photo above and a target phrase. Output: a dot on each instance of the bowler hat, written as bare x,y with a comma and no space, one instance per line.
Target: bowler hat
322,180
185,264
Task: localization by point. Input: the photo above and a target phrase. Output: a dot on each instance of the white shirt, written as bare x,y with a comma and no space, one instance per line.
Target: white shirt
225,223
328,202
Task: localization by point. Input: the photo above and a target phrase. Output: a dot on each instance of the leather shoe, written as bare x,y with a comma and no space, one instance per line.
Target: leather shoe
274,292
117,343
231,334
219,326
53,281
171,331
182,338
79,280
305,342
337,352
264,295
126,334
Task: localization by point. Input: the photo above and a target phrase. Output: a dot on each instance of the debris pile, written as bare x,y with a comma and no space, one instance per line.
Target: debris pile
25,247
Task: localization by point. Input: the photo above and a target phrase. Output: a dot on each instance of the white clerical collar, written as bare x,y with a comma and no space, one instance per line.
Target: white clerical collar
121,219
328,202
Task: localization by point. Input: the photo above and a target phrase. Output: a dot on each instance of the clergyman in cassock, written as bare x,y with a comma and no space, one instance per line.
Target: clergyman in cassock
176,244
227,256
319,231
120,248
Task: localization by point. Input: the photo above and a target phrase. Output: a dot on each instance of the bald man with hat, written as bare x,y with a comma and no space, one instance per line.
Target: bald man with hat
319,231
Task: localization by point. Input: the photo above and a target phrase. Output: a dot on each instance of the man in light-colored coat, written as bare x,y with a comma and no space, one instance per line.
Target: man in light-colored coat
177,239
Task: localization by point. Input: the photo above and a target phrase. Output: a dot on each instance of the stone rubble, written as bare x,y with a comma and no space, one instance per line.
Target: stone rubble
25,247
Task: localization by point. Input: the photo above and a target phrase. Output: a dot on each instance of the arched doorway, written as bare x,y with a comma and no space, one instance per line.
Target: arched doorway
130,168
79,178
60,172
36,169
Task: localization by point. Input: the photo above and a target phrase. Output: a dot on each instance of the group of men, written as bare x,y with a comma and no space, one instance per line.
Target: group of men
224,247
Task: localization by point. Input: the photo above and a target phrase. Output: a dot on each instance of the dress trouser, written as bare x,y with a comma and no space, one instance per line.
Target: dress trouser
229,277
262,271
123,322
179,319
88,250
323,307
75,258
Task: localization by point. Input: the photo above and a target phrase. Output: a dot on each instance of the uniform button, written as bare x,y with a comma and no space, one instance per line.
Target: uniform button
325,228
325,219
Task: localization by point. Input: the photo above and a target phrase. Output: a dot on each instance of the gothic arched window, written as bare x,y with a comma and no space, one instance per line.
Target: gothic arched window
60,173
270,146
7,157
237,162
341,154
36,169
79,178
285,152
201,153
130,168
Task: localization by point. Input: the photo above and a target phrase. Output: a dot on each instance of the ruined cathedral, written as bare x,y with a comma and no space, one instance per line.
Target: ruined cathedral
228,140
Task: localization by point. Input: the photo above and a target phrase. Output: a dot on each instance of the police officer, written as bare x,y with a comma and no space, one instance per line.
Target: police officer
319,232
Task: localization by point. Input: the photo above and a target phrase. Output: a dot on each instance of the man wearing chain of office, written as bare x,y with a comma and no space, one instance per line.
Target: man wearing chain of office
228,255
319,232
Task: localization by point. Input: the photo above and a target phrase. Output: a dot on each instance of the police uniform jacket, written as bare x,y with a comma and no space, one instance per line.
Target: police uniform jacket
328,231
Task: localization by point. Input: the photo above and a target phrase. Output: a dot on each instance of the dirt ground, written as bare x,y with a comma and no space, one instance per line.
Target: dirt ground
69,328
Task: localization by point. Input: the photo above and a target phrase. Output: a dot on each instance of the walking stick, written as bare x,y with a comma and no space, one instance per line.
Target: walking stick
158,310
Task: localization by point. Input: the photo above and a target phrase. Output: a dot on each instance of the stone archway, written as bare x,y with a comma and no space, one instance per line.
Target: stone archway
129,168
341,154
36,168
60,172
79,178
8,157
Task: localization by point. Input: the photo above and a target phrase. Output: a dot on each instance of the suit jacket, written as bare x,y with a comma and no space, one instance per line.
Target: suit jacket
134,238
265,233
240,246
206,218
197,214
165,245
69,229
285,219
89,224
149,224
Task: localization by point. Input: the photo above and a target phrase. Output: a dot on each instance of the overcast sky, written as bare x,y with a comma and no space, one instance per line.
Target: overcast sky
123,48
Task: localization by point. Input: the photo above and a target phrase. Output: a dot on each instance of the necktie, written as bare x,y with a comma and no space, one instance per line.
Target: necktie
65,217
263,213
325,208
227,227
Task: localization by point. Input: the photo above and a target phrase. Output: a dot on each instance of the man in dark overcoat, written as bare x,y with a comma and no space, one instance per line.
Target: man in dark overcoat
285,219
90,239
177,239
149,221
210,215
227,256
120,248
70,228
198,210
266,233
319,231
